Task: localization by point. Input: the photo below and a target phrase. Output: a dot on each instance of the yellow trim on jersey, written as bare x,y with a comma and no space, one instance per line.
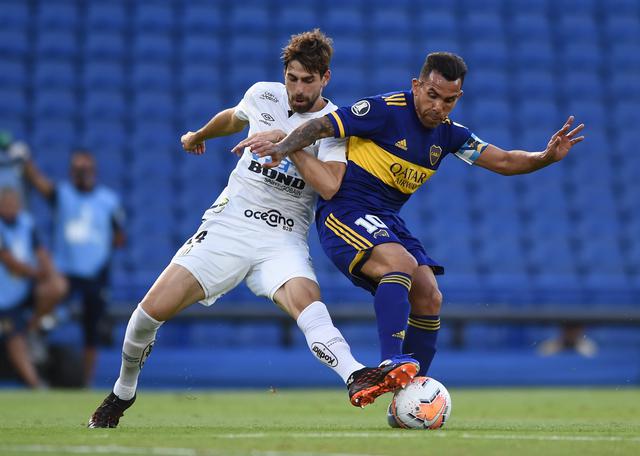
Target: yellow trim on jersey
395,95
402,175
339,122
348,229
344,236
397,99
390,103
356,260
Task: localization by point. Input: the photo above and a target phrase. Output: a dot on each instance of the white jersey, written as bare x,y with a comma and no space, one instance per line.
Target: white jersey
276,199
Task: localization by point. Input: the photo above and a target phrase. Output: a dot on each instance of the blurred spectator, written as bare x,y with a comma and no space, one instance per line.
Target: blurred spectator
572,337
13,155
28,280
88,224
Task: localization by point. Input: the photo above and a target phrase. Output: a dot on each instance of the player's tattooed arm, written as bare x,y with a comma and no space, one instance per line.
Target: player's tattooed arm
303,136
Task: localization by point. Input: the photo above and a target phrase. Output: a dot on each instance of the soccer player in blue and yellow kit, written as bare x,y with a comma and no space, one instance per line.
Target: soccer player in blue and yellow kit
396,143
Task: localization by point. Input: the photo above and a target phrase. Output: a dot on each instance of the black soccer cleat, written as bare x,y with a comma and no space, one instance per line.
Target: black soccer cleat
366,384
108,414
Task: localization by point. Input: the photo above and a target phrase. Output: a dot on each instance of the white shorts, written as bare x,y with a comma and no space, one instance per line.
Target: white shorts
229,252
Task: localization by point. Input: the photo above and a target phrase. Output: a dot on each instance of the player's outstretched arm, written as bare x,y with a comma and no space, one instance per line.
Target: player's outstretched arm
222,124
303,136
513,162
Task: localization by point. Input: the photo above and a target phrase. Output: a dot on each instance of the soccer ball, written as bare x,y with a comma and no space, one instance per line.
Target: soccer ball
424,404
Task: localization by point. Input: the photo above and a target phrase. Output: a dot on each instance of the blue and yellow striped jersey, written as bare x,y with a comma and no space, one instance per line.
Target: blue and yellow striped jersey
390,153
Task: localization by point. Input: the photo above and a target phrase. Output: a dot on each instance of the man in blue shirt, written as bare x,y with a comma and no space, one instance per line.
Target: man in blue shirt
88,224
28,282
397,141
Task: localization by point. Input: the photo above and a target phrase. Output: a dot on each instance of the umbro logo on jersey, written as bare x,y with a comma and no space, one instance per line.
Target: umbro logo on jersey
402,144
268,117
361,108
269,96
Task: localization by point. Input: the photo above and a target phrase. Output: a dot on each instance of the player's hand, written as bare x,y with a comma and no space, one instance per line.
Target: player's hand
273,136
562,141
19,151
268,149
191,144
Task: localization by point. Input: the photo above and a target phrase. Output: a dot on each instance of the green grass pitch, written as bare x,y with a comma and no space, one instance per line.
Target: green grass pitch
540,422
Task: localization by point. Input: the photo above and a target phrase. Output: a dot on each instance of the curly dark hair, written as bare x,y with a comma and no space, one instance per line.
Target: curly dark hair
312,49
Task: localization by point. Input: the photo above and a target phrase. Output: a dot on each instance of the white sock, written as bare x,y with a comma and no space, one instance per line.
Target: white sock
138,342
325,340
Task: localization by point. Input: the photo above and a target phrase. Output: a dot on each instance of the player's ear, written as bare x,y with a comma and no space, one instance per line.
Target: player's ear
414,85
460,94
326,78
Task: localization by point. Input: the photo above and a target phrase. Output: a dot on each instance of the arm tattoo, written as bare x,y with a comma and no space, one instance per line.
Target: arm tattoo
307,134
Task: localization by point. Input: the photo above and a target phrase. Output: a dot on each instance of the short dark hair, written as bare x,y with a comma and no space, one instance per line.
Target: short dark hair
449,65
312,49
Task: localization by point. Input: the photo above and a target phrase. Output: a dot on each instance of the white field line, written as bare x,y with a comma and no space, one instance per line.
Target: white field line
126,450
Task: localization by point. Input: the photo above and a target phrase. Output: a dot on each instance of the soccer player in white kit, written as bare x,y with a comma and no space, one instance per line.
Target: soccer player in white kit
256,231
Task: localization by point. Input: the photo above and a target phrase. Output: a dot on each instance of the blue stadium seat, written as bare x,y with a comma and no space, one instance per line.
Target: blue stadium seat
490,112
589,112
241,76
202,48
15,124
622,85
156,46
105,45
14,15
577,28
494,6
54,103
157,16
56,44
152,76
102,16
580,84
105,134
527,6
254,49
576,7
390,20
346,84
627,110
155,135
199,76
104,104
55,74
485,23
153,105
622,28
343,21
537,113
602,254
529,26
489,54
199,106
254,18
440,24
13,43
624,56
12,73
622,7
586,56
57,15
487,83
390,51
53,137
349,51
296,18
529,84
197,17
533,55
390,78
100,75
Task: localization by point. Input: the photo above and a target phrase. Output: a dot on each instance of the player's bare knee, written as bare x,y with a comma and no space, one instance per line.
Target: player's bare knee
426,302
296,295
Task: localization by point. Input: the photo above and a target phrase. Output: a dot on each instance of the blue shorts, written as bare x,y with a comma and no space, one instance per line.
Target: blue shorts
14,319
348,235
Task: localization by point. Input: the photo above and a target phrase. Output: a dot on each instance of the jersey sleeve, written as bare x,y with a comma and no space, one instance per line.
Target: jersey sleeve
364,118
333,149
465,145
244,107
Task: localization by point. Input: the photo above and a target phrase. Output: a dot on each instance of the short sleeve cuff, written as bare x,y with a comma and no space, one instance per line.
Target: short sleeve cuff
338,125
